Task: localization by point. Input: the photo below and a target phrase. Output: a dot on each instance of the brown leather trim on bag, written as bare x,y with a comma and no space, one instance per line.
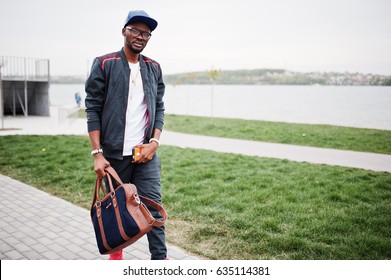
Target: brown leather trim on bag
114,174
154,204
157,206
102,231
116,210
147,215
98,185
135,209
119,221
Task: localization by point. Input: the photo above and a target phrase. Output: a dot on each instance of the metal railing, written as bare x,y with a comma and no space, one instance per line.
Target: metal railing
24,69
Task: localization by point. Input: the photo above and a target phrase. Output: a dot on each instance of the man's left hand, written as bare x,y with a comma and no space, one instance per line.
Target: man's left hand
147,152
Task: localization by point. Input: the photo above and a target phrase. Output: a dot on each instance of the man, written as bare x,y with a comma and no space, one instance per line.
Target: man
125,109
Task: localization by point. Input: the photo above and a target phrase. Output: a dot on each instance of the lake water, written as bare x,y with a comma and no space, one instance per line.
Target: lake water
368,107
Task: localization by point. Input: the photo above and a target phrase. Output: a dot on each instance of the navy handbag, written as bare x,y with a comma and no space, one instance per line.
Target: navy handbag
121,217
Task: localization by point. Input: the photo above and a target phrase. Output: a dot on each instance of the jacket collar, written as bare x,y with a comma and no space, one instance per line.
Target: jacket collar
125,60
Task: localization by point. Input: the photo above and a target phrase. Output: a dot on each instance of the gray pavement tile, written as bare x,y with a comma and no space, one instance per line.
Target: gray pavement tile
51,228
75,248
9,219
188,258
177,255
33,234
45,241
10,229
67,234
51,235
86,236
29,241
23,219
32,255
31,223
19,234
75,224
92,247
137,255
50,219
39,248
55,214
4,247
87,231
56,228
45,224
86,255
3,234
24,230
40,229
68,255
64,242
138,248
15,224
49,255
13,255
11,240
21,247
80,242
55,247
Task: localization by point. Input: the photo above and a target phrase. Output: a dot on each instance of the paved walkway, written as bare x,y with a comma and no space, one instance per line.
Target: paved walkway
369,161
36,225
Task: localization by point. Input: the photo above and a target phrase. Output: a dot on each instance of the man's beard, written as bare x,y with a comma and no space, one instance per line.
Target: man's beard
133,50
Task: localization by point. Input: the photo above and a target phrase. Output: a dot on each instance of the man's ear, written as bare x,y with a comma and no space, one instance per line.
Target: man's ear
123,31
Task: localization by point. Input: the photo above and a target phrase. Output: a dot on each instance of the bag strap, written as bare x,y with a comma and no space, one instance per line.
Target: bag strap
114,174
158,207
99,184
154,204
111,172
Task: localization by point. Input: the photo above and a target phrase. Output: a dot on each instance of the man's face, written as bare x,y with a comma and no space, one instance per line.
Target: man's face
135,35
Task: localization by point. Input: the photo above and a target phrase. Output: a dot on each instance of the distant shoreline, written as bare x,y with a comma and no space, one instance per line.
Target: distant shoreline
258,77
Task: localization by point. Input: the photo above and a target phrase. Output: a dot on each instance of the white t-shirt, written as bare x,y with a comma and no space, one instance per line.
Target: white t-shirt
136,112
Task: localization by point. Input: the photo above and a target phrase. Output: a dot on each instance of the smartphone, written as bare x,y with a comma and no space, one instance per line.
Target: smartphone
136,152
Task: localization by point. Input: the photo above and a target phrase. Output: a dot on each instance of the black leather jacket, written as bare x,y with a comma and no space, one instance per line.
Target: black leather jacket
107,91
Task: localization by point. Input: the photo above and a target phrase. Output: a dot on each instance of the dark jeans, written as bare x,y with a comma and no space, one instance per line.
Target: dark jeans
146,177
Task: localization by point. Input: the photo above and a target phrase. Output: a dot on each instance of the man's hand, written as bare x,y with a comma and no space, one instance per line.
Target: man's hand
147,152
100,164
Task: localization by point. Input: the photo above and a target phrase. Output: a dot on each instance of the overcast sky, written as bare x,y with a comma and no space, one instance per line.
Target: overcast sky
298,35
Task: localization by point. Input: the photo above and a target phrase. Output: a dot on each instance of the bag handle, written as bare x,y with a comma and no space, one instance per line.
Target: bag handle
113,174
158,207
99,185
154,204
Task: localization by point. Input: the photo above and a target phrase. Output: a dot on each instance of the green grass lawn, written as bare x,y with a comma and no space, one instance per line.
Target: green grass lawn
226,206
326,136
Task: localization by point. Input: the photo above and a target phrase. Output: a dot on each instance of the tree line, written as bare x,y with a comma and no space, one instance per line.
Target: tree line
276,77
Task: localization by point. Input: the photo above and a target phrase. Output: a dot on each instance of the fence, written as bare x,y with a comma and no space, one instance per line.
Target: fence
29,75
25,69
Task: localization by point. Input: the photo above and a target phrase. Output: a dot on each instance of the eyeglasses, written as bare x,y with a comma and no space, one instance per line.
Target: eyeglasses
136,32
